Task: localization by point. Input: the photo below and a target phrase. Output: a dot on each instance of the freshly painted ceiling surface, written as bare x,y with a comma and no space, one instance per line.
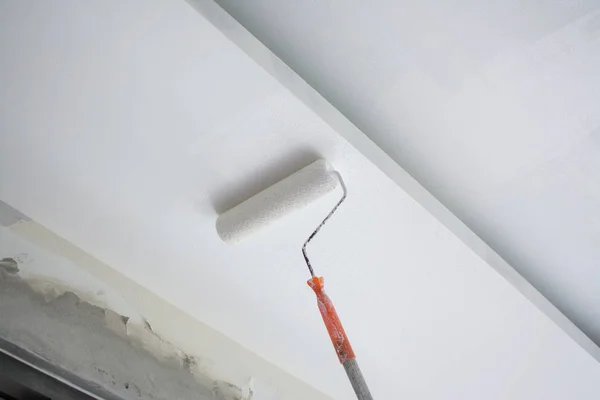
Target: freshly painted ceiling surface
126,128
494,106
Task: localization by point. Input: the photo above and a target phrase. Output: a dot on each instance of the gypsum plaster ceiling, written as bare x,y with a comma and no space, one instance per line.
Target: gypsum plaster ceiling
126,128
493,106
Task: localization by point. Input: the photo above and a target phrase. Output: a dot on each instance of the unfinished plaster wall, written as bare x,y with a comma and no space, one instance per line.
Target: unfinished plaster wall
61,306
89,346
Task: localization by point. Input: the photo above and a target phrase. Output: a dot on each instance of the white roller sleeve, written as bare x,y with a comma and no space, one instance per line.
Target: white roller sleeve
290,194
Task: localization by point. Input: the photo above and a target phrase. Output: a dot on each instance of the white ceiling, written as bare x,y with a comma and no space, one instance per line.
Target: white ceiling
493,106
125,128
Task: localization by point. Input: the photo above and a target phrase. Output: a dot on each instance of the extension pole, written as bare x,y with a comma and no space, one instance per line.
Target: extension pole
357,380
340,341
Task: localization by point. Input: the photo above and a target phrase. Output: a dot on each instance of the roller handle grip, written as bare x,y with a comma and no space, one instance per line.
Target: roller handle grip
338,336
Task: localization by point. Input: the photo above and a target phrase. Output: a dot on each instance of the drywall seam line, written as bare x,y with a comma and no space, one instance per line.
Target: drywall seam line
266,59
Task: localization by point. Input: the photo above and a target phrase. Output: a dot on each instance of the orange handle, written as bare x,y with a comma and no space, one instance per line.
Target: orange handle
332,322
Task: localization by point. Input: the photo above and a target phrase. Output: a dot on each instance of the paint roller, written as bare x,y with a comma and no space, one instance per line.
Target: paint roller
284,197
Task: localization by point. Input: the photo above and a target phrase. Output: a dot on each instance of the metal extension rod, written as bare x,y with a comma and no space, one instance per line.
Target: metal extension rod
336,331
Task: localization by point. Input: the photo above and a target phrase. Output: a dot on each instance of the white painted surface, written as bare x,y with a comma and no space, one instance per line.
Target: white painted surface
124,128
492,106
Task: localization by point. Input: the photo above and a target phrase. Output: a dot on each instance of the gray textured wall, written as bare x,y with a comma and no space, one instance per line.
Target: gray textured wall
88,346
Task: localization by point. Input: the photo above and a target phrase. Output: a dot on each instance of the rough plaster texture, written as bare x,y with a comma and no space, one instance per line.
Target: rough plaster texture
102,349
107,335
148,119
91,343
492,106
